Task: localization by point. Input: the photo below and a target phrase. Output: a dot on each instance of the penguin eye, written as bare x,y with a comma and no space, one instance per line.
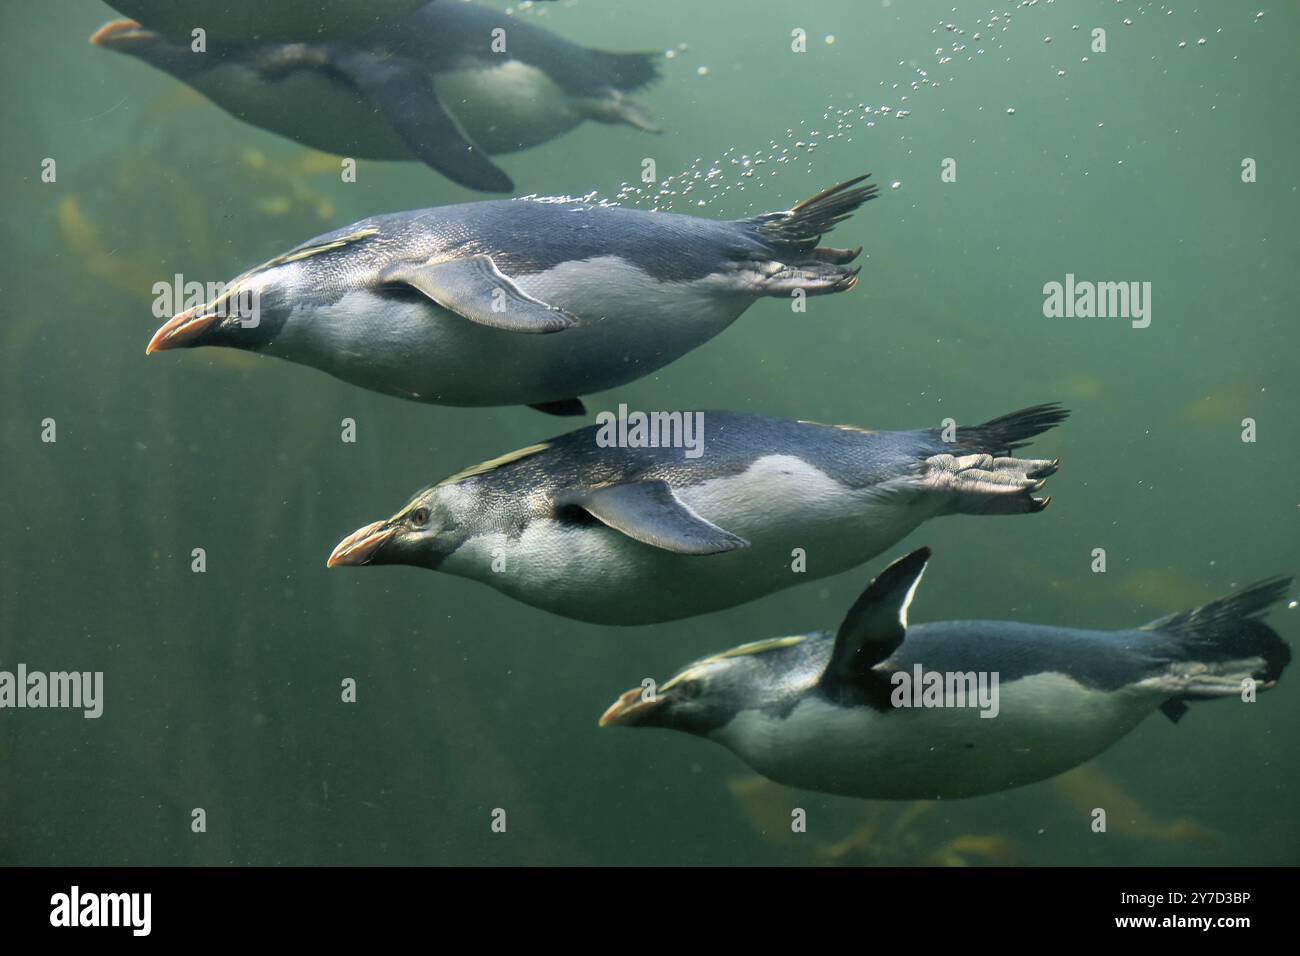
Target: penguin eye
691,689
419,517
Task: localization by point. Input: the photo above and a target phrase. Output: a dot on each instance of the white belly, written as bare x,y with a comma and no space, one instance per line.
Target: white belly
629,325
307,107
501,110
1045,725
780,503
508,107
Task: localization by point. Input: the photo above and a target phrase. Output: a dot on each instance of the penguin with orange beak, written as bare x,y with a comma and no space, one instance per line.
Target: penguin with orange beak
520,302
449,84
1004,703
636,534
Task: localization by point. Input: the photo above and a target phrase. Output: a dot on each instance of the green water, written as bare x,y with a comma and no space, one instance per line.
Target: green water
222,689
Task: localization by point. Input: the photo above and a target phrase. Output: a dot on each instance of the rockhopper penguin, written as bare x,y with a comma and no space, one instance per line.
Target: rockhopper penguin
226,21
446,85
525,301
636,535
839,712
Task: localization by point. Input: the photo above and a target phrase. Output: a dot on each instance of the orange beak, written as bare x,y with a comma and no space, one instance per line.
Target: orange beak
181,331
360,546
627,709
116,30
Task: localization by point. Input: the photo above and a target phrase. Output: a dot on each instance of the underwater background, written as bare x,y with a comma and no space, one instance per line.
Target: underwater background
222,688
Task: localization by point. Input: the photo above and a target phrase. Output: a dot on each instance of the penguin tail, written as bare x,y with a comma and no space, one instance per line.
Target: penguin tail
1220,649
798,230
625,72
1003,435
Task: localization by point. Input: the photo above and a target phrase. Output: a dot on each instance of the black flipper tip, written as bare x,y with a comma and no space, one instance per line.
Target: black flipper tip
564,406
1174,709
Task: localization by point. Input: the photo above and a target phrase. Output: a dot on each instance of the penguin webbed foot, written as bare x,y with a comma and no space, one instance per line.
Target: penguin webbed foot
983,484
814,276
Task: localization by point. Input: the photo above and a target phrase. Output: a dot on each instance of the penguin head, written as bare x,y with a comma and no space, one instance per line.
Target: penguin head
129,37
704,696
246,313
422,534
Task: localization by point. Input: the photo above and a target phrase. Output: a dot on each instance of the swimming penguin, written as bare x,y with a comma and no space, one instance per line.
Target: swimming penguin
636,535
524,301
283,20
445,85
885,711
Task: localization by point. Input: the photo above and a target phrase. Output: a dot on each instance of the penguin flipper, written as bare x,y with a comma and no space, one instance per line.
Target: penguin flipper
475,289
1174,709
649,512
875,626
404,93
565,406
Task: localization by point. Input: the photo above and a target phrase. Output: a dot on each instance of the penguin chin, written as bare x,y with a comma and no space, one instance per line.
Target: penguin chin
412,550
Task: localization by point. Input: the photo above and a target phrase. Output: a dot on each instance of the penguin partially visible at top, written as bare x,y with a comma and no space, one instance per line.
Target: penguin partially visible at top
446,85
286,21
841,714
636,535
525,301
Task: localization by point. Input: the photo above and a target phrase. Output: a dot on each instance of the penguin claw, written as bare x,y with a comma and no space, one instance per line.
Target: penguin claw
1046,471
836,256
